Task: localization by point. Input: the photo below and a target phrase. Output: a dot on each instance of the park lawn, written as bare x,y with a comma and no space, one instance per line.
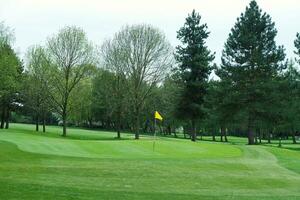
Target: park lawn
94,165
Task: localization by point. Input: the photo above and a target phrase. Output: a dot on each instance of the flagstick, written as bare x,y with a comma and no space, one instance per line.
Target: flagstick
154,138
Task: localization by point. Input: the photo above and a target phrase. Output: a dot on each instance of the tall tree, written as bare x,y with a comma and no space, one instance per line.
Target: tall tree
194,60
290,100
145,56
10,78
70,56
250,61
113,61
10,74
36,91
103,103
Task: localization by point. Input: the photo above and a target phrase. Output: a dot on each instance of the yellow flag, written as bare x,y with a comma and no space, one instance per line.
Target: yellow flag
158,116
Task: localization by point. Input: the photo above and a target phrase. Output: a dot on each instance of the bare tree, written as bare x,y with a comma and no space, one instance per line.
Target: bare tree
70,58
143,55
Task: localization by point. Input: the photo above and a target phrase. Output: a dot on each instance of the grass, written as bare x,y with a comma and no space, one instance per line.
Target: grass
95,165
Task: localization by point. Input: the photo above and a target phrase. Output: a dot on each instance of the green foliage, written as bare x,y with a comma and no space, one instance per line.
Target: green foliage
142,55
194,67
255,91
251,61
10,68
81,103
10,75
289,107
36,83
103,104
71,58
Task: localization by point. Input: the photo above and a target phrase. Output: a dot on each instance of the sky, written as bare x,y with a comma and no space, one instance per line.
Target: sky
33,21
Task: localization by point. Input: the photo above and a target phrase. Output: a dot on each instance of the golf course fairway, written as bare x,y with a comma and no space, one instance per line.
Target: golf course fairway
94,165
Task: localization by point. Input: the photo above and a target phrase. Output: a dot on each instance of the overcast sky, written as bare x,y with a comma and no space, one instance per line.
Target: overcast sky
35,20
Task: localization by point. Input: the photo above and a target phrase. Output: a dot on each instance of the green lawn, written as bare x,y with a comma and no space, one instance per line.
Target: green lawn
94,165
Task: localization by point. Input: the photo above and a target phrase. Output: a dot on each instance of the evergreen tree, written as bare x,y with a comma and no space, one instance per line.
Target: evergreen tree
194,60
219,106
290,108
250,61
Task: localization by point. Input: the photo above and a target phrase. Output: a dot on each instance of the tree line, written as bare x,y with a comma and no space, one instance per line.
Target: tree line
254,92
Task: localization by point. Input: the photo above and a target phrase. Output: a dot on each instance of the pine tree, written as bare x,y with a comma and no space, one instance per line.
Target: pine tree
194,60
250,61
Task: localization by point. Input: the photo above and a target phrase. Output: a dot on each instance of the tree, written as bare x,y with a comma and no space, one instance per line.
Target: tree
145,56
70,56
36,85
169,94
103,103
81,103
10,74
250,61
218,107
113,61
10,78
194,60
290,104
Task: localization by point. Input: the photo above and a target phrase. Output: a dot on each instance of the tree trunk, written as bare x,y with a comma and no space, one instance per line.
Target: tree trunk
222,133
169,129
279,145
119,125
184,132
269,136
250,132
44,123
90,122
37,119
3,117
137,135
201,133
213,135
225,135
64,116
137,124
294,137
119,98
194,131
118,133
258,131
7,118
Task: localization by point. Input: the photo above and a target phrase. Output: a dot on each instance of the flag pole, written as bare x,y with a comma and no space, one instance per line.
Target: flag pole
154,137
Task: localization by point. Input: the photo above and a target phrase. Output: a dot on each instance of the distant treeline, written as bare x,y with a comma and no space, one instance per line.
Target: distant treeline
254,92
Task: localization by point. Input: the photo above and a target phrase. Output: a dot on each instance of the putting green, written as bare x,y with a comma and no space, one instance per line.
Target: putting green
94,165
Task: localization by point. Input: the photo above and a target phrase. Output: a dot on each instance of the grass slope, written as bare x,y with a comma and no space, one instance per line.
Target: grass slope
94,165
